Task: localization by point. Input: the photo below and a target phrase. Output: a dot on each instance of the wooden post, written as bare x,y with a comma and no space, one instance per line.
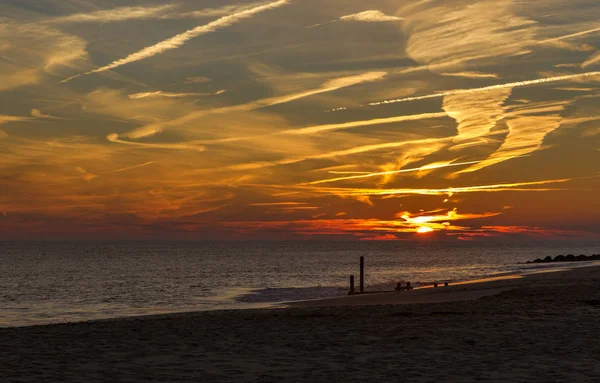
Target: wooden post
351,284
362,274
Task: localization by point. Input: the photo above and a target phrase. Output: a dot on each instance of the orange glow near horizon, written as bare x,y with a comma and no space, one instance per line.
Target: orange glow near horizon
424,229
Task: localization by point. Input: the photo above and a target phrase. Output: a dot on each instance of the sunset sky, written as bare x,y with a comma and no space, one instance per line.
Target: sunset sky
299,119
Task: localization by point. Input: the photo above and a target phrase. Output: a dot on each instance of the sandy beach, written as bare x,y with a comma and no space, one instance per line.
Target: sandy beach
541,328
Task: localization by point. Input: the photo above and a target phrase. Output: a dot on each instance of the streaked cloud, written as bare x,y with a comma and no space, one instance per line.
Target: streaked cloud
424,168
115,14
159,93
519,84
372,16
527,130
474,75
34,51
177,41
593,60
328,86
447,35
476,113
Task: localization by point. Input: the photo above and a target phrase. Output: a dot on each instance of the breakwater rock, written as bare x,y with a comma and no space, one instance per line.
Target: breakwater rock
567,258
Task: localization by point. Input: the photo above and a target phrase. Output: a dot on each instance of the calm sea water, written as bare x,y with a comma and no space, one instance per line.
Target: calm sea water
57,282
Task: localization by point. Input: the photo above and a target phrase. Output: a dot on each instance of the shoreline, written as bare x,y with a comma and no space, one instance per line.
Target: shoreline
540,328
468,290
456,292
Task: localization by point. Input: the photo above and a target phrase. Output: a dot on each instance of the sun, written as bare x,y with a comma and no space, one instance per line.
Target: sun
424,229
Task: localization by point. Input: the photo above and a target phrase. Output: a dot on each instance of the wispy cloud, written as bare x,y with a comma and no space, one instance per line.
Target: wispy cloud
569,36
425,168
476,113
474,75
317,129
196,80
130,168
167,11
113,137
371,16
593,60
447,35
278,204
34,51
179,40
518,84
528,126
115,14
6,119
159,93
423,146
328,86
515,186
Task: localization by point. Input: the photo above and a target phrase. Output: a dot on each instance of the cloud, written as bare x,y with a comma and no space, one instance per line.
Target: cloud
196,80
594,60
476,113
527,128
368,228
278,204
164,12
34,51
371,16
179,40
569,36
328,86
113,137
447,35
474,75
533,231
317,129
85,174
518,84
38,114
6,119
422,146
130,168
115,14
490,188
159,93
425,168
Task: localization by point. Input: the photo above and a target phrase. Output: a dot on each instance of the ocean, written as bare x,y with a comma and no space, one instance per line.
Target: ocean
56,282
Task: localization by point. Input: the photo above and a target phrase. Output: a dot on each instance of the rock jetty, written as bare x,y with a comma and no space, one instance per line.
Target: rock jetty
567,258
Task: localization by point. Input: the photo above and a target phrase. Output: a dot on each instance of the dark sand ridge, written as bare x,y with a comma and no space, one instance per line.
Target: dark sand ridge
543,328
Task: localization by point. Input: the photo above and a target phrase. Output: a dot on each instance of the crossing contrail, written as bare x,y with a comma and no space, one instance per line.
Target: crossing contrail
492,87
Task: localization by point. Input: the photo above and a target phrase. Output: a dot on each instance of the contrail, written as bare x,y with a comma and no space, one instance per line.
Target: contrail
180,39
499,86
582,33
392,172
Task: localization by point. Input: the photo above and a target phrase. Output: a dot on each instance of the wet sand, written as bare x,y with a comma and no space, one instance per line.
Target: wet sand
541,328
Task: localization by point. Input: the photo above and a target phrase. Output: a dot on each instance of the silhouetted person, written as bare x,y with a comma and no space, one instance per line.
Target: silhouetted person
399,286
